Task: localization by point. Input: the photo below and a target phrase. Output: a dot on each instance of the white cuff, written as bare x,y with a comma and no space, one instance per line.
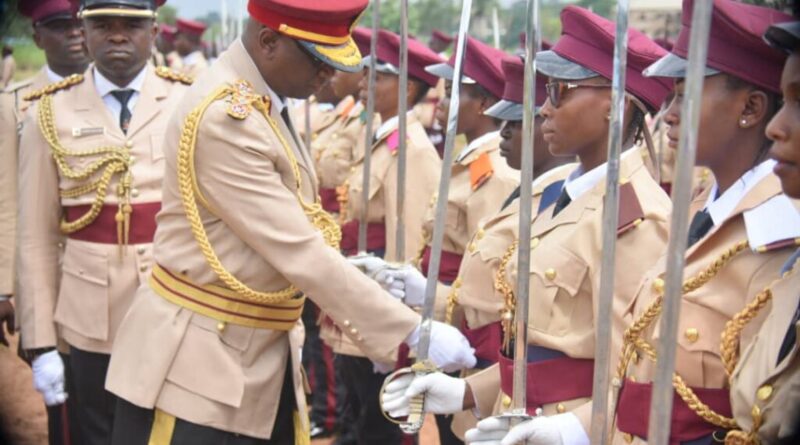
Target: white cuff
570,428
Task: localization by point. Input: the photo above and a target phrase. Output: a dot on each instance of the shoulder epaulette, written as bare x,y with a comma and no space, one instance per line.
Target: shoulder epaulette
62,84
242,98
480,170
166,73
773,224
630,209
18,85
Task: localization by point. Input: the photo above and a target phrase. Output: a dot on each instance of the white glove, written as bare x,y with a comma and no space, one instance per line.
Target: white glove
369,264
48,378
443,394
561,429
449,349
406,283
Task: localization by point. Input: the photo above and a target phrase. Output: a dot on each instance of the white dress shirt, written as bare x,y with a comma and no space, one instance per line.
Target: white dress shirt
720,208
104,88
476,143
389,125
578,182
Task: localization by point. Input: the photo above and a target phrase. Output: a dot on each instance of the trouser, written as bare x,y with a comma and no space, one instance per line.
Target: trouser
95,408
62,423
363,387
318,363
134,426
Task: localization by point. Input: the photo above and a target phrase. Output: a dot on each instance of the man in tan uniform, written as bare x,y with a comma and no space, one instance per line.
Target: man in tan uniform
189,46
91,168
209,351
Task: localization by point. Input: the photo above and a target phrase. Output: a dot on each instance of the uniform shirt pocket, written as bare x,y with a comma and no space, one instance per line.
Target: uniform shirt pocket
84,292
556,278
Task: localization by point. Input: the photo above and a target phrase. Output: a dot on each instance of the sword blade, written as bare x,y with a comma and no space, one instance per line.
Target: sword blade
444,187
368,135
602,355
532,45
661,403
402,109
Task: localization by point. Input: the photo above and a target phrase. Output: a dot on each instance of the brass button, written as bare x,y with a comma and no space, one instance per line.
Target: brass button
472,247
335,135
705,174
692,334
134,192
457,283
142,268
764,393
628,437
133,159
141,250
314,136
534,242
346,323
129,144
352,169
60,245
550,274
560,408
658,286
354,331
359,338
480,233
221,326
506,401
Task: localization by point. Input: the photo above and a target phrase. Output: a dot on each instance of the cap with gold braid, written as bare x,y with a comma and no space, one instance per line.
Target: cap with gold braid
323,28
145,9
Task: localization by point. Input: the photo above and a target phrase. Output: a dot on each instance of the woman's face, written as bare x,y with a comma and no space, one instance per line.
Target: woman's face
386,89
784,129
511,144
579,121
471,106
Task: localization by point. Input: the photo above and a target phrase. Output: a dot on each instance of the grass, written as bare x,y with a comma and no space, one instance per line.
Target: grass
29,58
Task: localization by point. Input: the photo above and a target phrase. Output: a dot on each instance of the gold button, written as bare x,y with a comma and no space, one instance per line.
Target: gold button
354,331
134,192
129,144
705,174
472,247
221,326
764,393
632,378
141,250
457,283
550,274
636,358
692,334
561,408
335,135
534,242
133,159
480,233
347,323
628,437
359,338
60,245
142,268
506,401
314,136
658,286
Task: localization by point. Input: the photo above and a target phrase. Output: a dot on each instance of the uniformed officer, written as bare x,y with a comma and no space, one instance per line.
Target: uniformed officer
764,385
166,45
740,235
209,351
189,46
567,235
91,169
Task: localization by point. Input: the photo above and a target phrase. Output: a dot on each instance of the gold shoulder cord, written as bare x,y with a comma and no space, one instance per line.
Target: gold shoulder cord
633,341
242,100
113,160
504,287
170,74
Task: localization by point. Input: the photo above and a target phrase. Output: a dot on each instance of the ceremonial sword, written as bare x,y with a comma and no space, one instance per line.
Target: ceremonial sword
662,396
603,321
402,126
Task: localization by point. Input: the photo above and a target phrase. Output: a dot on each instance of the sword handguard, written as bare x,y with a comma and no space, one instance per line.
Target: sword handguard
416,416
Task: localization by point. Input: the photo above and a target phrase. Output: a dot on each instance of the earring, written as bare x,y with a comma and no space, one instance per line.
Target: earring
743,123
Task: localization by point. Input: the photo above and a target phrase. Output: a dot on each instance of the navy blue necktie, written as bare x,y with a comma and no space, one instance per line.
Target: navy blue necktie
123,96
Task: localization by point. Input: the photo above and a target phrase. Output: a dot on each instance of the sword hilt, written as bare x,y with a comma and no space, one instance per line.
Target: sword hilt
416,406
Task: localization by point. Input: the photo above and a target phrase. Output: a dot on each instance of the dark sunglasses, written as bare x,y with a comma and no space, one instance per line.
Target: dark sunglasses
558,88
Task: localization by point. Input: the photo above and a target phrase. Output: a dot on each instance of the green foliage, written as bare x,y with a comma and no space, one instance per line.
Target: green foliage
167,14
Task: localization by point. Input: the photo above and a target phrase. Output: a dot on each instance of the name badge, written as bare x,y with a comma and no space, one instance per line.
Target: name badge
89,131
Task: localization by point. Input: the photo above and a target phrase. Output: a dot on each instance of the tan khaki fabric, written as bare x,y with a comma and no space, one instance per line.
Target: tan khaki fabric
169,357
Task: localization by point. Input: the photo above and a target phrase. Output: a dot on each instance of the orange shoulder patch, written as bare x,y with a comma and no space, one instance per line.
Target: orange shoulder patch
480,170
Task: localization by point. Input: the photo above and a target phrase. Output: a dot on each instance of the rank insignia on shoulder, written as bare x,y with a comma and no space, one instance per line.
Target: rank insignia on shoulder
393,142
773,225
480,170
169,74
242,99
630,210
62,84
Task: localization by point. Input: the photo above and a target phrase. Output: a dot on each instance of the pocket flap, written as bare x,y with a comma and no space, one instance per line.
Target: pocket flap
560,268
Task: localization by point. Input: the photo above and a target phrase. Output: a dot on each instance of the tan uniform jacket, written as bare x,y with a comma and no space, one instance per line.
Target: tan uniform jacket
177,360
566,254
338,146
12,108
97,284
321,118
9,67
759,380
705,311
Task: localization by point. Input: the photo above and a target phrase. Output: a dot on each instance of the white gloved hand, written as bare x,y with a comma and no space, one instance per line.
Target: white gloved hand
561,429
449,349
406,283
369,264
443,394
48,378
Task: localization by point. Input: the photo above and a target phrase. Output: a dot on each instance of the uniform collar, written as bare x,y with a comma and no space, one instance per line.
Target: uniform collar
389,125
477,142
192,58
721,208
578,182
105,86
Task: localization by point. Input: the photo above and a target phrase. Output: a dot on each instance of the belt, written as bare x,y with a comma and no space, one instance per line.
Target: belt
224,304
486,340
551,377
330,201
376,237
104,228
448,265
633,412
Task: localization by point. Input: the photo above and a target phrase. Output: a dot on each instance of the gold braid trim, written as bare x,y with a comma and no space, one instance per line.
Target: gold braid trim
729,346
426,239
504,287
452,301
62,84
169,74
242,100
633,341
112,161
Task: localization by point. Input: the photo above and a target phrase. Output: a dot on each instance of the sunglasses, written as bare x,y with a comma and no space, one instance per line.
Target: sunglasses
558,88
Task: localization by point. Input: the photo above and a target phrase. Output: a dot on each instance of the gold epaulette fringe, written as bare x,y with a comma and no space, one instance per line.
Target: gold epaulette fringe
62,84
170,74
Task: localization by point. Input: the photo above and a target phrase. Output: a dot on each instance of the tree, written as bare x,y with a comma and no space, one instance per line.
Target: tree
167,14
